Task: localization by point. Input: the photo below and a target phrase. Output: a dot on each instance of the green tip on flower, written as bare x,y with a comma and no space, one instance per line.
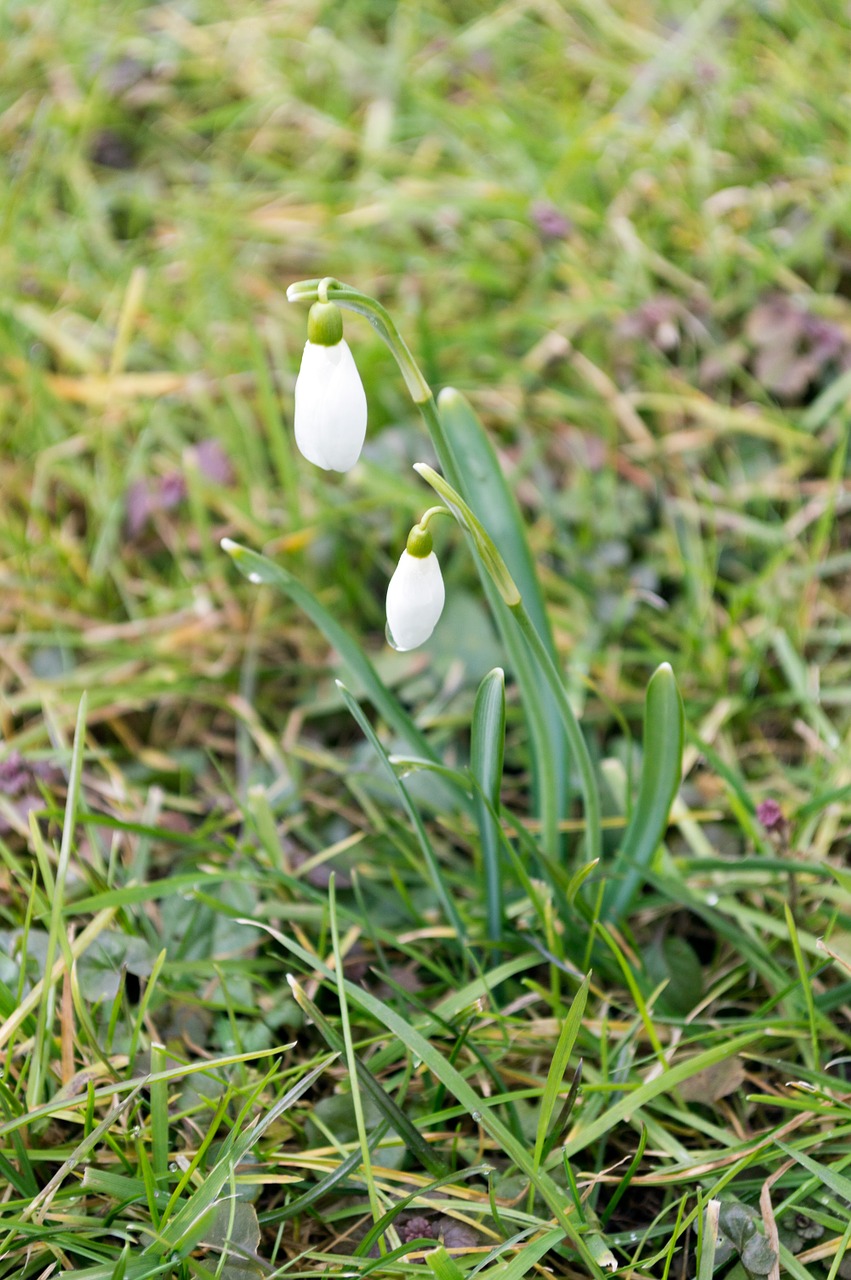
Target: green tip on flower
420,543
324,324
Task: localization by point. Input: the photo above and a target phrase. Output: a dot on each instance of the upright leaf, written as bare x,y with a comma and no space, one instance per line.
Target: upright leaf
661,770
487,746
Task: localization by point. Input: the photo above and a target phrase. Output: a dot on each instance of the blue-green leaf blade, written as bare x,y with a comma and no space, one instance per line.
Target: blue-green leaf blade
661,770
487,748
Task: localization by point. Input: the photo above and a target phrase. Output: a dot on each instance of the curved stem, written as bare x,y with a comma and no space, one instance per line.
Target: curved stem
330,290
430,514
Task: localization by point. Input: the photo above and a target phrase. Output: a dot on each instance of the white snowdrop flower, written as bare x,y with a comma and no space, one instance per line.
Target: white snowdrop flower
330,403
415,593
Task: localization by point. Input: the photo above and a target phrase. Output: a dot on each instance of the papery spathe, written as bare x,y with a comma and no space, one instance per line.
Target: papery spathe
415,597
330,407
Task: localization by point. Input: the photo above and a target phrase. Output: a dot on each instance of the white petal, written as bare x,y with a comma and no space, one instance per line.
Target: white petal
330,407
415,597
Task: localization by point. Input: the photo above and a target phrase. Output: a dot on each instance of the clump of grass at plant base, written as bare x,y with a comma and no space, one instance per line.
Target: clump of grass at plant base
645,304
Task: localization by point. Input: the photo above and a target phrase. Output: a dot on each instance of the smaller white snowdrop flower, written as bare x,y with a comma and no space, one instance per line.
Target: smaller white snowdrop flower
330,403
415,593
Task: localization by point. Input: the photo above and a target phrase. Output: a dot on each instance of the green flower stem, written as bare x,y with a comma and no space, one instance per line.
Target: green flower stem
430,514
500,580
328,289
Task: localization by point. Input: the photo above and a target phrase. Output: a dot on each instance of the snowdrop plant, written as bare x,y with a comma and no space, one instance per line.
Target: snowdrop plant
330,427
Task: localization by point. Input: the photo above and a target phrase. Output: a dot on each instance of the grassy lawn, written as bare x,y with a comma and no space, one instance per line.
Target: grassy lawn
314,956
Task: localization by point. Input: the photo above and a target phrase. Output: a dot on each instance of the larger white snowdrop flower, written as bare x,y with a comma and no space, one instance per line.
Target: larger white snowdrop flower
415,593
330,403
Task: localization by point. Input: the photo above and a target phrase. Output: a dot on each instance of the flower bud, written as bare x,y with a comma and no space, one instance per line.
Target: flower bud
415,593
330,403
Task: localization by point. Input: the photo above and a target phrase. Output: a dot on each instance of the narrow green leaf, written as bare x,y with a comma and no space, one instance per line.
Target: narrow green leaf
159,1112
806,984
37,1207
708,1240
481,475
483,542
477,1107
539,672
623,1186
378,1228
431,861
108,1091
562,1120
56,934
120,1271
558,1066
325,1185
129,894
666,1082
661,770
187,1226
351,1058
838,1184
442,1266
407,1131
487,746
473,467
524,1259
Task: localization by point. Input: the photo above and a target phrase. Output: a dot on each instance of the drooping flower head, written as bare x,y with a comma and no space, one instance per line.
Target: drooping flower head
415,593
330,403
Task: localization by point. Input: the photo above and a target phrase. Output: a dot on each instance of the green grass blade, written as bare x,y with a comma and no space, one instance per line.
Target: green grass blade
708,1240
407,1131
838,1184
377,1229
664,729
159,1113
56,934
623,1186
440,887
806,985
476,1106
38,1206
564,1047
351,1059
487,746
631,1103
187,1226
442,1265
260,569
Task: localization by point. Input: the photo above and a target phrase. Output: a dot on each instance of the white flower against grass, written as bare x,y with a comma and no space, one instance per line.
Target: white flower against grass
415,594
330,403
